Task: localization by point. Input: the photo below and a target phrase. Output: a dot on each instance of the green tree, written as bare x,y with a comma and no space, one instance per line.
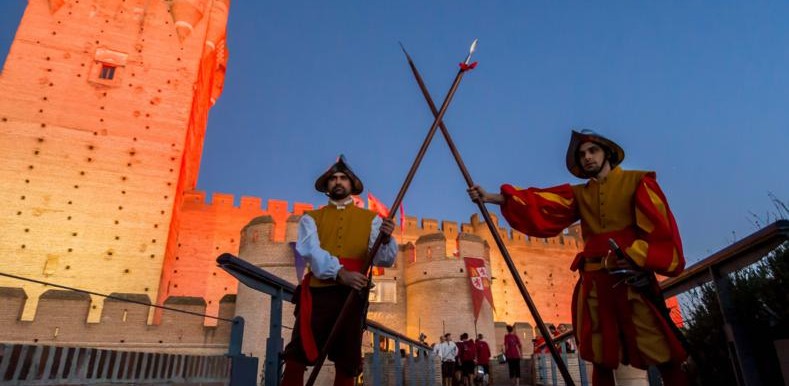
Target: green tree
761,298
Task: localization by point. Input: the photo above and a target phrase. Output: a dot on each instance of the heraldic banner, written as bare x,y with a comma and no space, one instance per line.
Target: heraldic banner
480,283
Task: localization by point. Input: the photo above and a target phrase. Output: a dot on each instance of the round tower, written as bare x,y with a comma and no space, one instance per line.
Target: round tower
259,248
438,288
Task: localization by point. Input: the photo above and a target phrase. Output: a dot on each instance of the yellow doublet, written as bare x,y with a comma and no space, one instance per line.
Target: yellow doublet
606,205
344,233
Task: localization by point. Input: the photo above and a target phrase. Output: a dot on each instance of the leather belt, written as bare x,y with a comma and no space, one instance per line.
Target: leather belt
591,264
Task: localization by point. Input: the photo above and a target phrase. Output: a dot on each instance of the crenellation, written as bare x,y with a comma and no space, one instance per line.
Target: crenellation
246,203
60,319
276,206
249,203
450,228
411,223
504,233
300,208
516,236
429,225
222,200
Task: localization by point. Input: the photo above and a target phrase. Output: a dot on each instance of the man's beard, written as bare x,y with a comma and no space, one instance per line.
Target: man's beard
593,171
338,194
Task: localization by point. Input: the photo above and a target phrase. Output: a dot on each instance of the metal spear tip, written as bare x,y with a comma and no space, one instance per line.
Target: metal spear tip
471,50
473,46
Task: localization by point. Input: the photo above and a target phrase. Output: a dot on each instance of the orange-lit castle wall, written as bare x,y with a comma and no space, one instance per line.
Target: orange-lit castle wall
102,121
103,109
207,230
99,173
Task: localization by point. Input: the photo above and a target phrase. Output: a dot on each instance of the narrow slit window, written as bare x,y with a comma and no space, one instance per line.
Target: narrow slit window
107,72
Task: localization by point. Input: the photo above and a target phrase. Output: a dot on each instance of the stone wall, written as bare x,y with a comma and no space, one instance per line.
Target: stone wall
102,117
60,320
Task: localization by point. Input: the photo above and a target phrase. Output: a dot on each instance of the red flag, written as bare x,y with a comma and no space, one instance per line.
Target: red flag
376,206
480,283
358,201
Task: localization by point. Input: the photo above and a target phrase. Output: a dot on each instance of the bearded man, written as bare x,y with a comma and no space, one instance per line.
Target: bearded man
334,240
613,317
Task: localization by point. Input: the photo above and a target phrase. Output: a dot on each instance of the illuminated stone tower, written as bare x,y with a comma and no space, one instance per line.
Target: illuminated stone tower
438,289
103,109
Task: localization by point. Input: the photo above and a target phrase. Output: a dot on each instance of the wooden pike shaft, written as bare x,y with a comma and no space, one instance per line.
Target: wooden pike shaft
496,236
344,313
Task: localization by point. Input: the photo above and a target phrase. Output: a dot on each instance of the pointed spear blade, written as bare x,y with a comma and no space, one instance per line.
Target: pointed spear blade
471,51
473,46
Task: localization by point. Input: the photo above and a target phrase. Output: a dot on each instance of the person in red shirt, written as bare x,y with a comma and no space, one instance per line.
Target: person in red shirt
483,354
512,350
467,353
539,341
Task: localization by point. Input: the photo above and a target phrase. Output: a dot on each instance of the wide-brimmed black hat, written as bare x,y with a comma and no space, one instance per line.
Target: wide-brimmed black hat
615,152
321,184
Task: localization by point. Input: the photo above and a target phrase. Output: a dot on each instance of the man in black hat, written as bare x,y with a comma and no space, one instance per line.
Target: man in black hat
614,316
334,240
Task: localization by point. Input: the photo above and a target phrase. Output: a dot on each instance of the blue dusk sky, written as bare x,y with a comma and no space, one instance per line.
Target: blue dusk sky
696,90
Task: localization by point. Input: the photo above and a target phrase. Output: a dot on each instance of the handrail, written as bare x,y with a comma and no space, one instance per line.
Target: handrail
559,338
281,290
255,277
716,269
732,258
264,281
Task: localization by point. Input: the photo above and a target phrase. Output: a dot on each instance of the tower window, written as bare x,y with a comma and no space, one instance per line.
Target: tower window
107,72
107,69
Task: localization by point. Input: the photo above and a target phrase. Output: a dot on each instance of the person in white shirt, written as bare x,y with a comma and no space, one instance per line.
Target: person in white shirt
447,352
334,240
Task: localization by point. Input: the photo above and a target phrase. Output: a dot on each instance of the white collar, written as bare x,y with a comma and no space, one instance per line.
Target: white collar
342,204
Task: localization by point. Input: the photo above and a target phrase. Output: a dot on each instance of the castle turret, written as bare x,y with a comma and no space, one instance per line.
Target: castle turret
438,288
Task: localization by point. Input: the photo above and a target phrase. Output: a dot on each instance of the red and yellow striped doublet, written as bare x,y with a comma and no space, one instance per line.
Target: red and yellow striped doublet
613,322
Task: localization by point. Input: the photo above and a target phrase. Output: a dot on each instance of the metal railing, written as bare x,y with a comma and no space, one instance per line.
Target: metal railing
281,290
545,369
713,269
22,364
392,368
716,269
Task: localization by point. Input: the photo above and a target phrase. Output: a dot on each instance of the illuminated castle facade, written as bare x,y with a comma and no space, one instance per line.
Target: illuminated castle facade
103,111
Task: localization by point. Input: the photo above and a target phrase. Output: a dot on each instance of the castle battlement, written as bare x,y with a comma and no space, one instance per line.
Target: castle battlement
198,198
414,228
60,319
